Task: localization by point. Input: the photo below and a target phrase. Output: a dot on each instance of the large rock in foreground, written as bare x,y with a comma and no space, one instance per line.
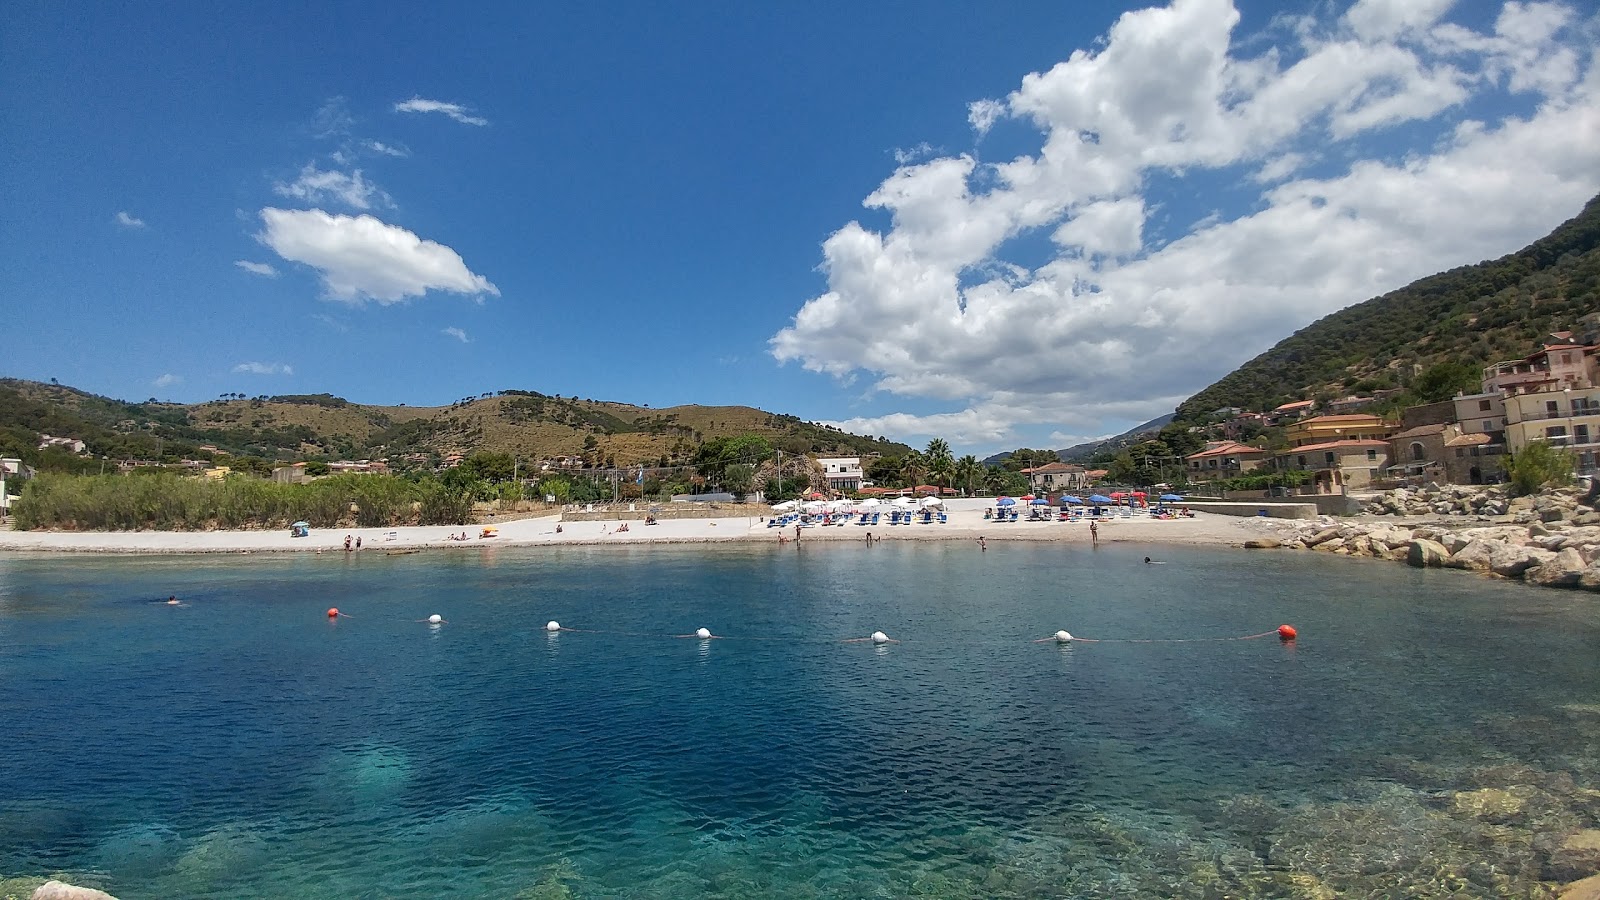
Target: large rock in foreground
1426,554
1565,570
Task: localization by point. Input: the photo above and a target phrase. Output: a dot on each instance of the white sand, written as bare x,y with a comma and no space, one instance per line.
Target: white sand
966,523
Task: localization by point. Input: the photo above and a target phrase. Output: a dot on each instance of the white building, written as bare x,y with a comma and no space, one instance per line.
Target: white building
842,473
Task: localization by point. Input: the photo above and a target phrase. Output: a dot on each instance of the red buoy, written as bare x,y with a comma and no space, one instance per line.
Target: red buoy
333,613
1287,633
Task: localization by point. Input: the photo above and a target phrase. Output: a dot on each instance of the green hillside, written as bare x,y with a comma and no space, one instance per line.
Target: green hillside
1473,315
322,427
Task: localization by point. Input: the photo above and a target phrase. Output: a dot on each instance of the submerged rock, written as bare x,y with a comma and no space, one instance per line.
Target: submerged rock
1263,544
60,890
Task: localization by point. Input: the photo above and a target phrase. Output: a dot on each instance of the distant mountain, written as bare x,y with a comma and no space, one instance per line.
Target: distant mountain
528,424
1478,314
1079,453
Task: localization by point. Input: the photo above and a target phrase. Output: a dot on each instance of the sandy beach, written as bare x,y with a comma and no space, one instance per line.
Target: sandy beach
966,522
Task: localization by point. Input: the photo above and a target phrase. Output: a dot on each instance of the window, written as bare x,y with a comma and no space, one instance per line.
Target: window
1483,406
1552,407
1580,434
1372,454
1328,457
1302,460
1417,453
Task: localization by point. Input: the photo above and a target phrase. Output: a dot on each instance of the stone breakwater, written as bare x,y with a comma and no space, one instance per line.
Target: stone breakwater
1551,540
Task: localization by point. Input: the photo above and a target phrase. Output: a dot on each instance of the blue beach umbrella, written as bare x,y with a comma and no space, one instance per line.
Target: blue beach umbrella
1064,500
1040,501
1170,497
1099,498
1005,501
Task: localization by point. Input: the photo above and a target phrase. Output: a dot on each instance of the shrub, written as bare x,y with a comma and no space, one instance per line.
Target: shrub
1539,465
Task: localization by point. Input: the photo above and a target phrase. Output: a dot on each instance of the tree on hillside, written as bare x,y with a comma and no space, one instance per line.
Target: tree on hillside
1444,380
1027,458
884,471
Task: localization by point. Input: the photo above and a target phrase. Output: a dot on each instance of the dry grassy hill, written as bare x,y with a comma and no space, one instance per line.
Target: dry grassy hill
527,424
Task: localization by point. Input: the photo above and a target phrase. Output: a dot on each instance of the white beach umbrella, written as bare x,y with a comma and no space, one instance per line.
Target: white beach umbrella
904,502
814,507
932,501
785,506
869,503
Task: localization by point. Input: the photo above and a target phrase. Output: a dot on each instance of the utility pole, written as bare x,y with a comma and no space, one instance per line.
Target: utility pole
780,473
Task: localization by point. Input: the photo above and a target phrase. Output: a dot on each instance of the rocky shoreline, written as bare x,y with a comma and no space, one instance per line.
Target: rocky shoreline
1550,540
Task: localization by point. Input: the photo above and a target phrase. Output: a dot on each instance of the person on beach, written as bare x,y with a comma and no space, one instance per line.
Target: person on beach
797,534
347,543
1094,532
358,542
983,544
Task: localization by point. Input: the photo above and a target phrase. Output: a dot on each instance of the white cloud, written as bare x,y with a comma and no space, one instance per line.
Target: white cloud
128,221
453,110
167,380
256,268
383,149
260,368
361,258
319,186
982,114
456,333
332,118
1115,326
903,155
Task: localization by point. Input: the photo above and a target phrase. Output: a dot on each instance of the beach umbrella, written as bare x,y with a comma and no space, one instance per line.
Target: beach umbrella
869,503
1171,498
814,507
1117,495
1067,498
1005,501
785,506
300,525
1039,501
932,501
1099,498
1139,493
904,502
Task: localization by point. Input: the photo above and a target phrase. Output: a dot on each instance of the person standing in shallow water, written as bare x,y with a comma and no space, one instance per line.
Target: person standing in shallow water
983,544
1094,532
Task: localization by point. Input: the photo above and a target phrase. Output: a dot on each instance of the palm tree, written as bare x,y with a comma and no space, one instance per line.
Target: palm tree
912,467
967,471
940,462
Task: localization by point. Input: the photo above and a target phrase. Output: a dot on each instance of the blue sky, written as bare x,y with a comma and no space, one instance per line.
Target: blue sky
1027,227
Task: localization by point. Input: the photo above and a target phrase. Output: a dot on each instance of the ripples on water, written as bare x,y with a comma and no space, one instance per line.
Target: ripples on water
1432,733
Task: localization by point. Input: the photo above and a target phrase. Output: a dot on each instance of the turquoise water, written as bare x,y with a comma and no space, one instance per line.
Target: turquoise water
1430,734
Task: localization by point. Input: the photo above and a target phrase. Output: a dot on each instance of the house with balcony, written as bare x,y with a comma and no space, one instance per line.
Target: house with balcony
1289,412
1337,466
1056,476
1224,459
1348,427
1446,454
1568,418
841,473
1557,365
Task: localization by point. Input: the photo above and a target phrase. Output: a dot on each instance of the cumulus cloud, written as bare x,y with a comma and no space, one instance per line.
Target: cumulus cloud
127,220
360,258
167,380
323,186
453,110
256,268
456,333
1118,324
261,368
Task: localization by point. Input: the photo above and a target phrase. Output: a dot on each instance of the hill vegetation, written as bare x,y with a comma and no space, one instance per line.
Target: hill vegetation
254,432
1441,327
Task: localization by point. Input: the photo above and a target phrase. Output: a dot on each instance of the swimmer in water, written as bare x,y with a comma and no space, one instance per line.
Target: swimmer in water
173,601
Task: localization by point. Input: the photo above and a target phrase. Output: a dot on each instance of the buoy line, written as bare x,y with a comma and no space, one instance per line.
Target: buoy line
1285,633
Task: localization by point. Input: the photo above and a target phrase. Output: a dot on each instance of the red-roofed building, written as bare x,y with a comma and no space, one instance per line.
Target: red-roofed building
1288,412
1445,453
1557,365
1354,426
1056,476
1337,466
1224,459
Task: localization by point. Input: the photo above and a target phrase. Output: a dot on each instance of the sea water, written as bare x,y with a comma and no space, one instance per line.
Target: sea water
1431,733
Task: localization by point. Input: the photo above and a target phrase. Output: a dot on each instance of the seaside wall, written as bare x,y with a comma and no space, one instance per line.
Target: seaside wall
612,512
1274,510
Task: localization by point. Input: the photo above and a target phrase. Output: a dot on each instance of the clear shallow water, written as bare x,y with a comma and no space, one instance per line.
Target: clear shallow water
1431,732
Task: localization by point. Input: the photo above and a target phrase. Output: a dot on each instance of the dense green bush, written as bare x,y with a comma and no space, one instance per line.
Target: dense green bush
1539,465
168,502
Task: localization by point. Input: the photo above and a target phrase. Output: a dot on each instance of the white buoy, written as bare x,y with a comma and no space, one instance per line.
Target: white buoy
552,625
703,634
879,637
1063,636
435,619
